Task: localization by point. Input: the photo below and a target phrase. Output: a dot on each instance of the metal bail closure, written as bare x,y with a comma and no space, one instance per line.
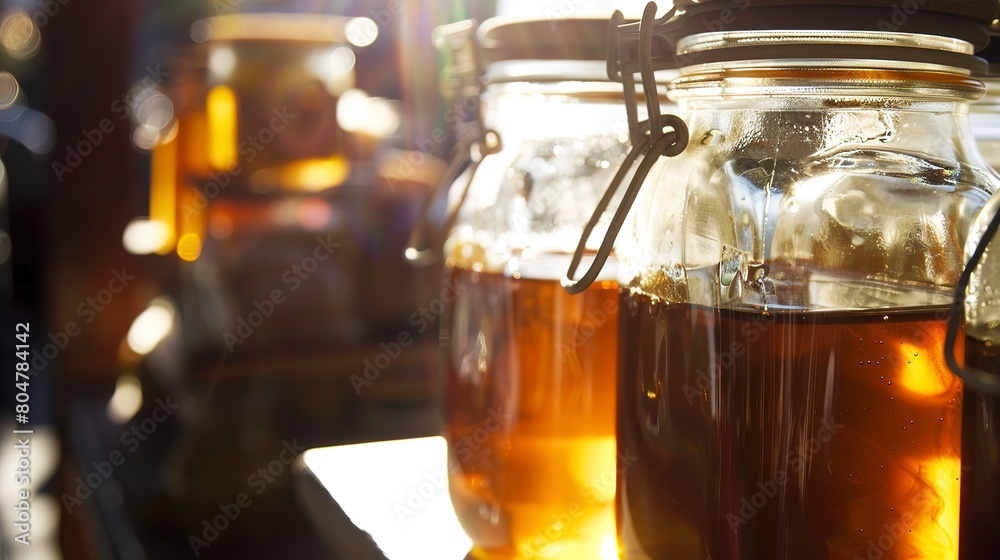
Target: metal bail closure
425,240
474,143
649,140
974,378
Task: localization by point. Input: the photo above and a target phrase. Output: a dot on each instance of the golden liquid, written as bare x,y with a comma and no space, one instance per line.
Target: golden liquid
787,435
530,415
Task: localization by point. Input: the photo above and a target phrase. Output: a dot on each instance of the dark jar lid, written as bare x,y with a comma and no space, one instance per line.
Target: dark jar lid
967,20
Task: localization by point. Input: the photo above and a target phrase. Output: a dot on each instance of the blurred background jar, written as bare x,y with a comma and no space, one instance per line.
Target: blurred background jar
278,187
530,371
783,380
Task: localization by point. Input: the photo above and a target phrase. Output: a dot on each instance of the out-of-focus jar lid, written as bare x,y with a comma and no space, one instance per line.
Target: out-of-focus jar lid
942,33
315,28
526,49
504,38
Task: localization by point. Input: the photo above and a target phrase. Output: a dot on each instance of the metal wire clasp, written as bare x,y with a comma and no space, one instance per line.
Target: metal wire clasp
974,378
474,140
630,50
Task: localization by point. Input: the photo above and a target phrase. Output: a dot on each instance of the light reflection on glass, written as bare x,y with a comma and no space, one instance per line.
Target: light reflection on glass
357,112
143,236
200,31
151,326
315,174
222,127
19,35
361,32
163,190
937,535
126,400
9,90
189,247
222,62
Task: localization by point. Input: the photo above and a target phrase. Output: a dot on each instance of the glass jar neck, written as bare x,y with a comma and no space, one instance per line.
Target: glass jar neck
826,64
915,107
813,127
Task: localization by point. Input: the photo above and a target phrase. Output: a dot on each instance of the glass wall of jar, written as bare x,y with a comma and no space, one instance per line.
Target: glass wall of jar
783,383
530,371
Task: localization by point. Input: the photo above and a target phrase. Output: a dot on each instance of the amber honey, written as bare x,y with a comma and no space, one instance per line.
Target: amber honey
530,415
787,434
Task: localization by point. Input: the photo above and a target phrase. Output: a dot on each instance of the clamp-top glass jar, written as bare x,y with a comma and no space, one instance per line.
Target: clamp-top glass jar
789,277
529,408
981,412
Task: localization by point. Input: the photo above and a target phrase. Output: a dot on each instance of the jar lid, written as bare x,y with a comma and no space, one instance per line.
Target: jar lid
964,21
983,11
292,27
503,38
967,20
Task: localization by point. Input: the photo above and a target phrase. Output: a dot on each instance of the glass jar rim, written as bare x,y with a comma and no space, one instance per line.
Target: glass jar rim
704,42
807,48
826,80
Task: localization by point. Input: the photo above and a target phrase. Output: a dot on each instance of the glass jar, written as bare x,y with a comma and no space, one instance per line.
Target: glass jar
267,217
981,407
785,299
530,371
